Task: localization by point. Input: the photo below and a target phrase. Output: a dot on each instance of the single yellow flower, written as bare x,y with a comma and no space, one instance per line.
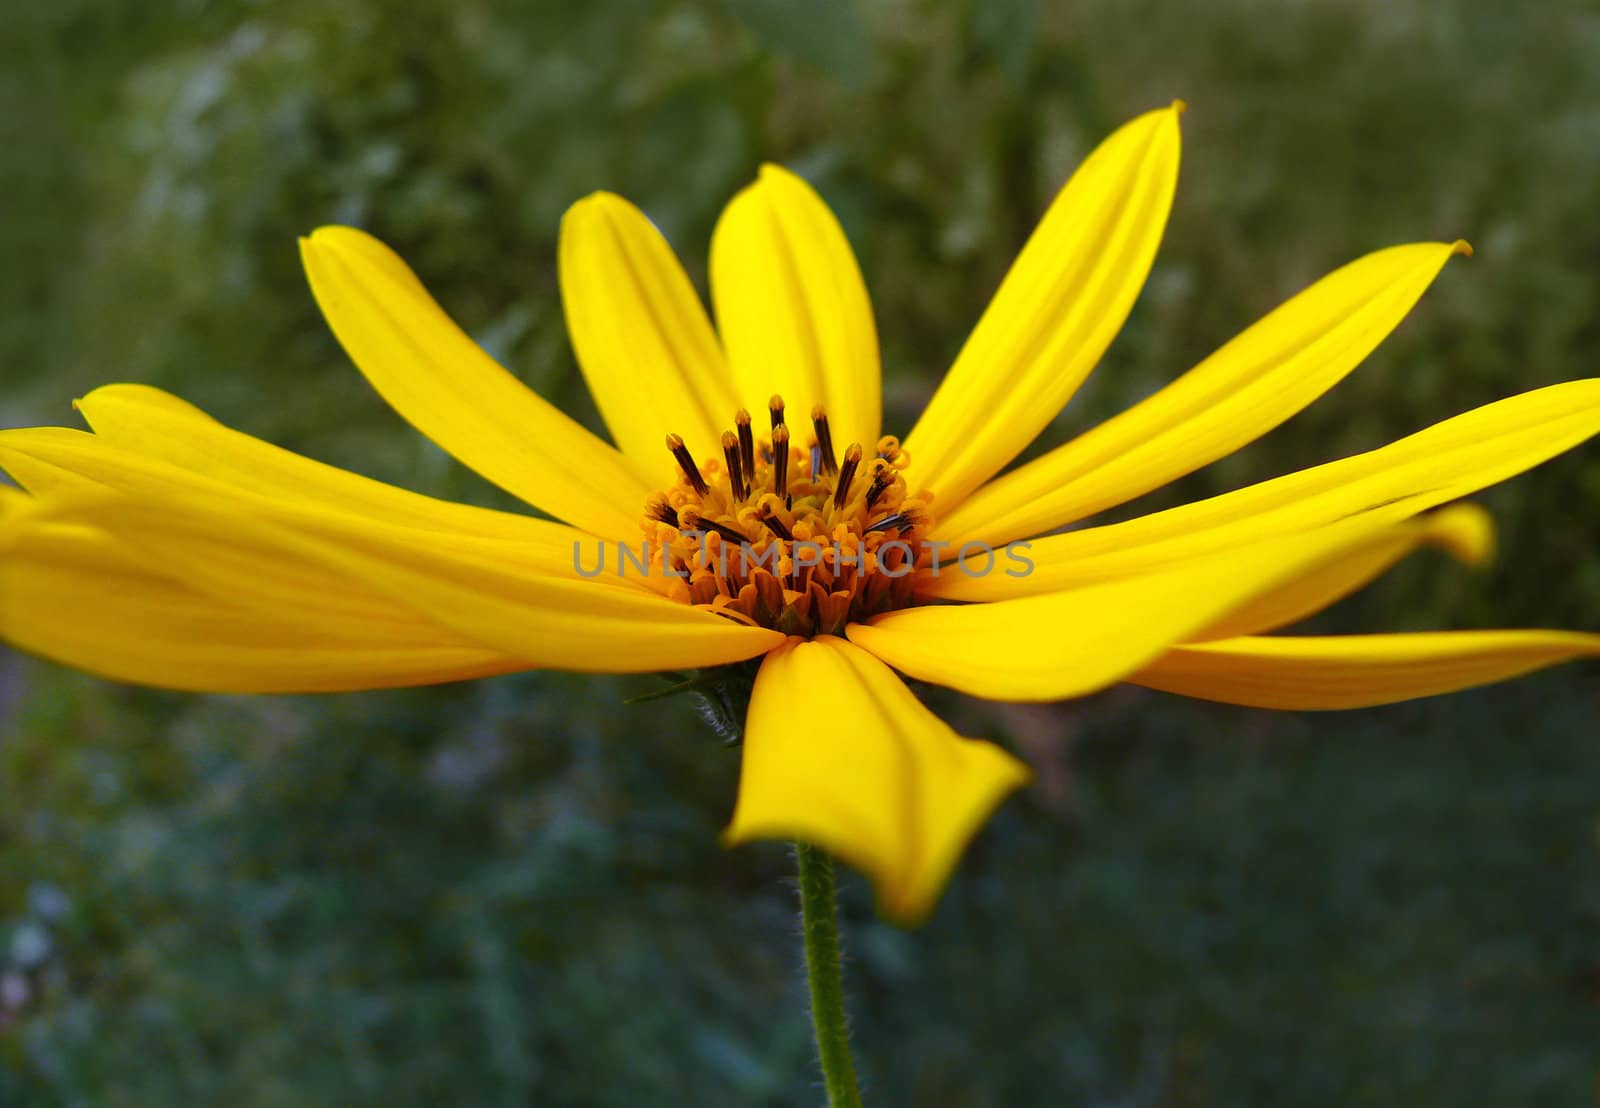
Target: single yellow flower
165,549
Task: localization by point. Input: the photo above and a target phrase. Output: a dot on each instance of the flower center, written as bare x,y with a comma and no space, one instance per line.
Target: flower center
789,536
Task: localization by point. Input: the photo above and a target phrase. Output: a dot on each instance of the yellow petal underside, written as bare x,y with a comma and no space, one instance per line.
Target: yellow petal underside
864,771
1071,643
444,384
1251,385
1057,310
1357,671
793,310
641,335
73,594
1445,462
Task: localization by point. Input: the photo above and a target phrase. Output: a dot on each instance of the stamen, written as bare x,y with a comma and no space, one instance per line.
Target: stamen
819,420
775,407
847,473
686,463
882,478
816,462
662,512
730,451
747,443
780,459
899,521
775,525
694,522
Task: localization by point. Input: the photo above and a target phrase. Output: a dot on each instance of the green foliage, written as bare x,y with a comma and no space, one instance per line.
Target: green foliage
511,892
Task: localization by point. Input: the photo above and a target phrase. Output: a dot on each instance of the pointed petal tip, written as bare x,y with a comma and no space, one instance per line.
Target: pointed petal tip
1178,105
1462,247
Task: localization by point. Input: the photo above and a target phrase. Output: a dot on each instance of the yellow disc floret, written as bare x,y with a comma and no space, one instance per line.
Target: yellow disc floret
791,537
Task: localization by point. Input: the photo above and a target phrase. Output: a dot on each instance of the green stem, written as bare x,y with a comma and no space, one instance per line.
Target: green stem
819,921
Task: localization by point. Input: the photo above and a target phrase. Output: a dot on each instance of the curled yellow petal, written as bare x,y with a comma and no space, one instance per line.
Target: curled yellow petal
448,388
1249,386
640,333
792,307
1357,671
865,772
1071,643
1060,306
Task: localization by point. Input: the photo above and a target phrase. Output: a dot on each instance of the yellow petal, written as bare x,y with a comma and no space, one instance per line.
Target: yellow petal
156,425
1357,671
1058,309
74,594
1255,382
1465,530
793,310
247,475
839,753
646,347
524,597
1071,643
1445,462
449,389
484,592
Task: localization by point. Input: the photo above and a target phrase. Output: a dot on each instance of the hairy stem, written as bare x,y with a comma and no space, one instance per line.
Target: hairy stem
819,922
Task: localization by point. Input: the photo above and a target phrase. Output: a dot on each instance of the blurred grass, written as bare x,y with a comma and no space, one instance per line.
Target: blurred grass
510,892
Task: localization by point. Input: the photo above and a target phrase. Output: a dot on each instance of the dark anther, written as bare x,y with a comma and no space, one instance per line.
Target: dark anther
882,478
775,525
899,521
747,444
775,407
819,420
847,474
780,460
712,527
663,512
730,452
686,463
816,462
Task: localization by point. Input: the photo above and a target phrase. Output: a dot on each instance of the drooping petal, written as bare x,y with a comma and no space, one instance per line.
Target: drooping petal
73,593
1357,671
864,771
1058,309
641,335
448,388
1445,462
792,307
1071,643
1466,531
157,425
1249,386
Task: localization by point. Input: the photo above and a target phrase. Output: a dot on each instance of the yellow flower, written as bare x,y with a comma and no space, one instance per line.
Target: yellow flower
165,549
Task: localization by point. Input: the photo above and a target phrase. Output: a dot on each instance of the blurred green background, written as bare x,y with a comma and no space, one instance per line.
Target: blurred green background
510,892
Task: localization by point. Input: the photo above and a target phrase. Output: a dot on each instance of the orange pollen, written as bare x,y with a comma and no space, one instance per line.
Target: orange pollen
788,537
